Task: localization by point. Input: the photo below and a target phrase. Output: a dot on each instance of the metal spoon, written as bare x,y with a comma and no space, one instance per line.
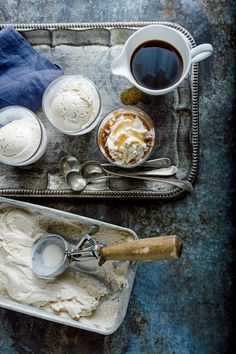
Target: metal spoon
161,162
76,182
69,163
92,169
185,185
168,171
165,172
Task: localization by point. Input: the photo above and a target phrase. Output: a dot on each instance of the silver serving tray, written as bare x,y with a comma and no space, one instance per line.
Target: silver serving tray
89,49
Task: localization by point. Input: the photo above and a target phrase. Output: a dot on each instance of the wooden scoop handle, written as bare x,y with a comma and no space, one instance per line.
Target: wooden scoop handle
148,249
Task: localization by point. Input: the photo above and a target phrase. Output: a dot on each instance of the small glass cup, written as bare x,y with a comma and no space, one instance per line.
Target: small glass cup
105,129
23,138
68,101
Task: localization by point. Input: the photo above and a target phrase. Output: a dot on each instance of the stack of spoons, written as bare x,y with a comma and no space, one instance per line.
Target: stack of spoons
78,176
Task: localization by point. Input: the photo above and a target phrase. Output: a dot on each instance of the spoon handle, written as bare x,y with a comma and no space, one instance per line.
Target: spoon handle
157,163
167,171
152,248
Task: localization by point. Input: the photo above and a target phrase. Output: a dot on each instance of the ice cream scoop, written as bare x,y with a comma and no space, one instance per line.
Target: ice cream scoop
51,255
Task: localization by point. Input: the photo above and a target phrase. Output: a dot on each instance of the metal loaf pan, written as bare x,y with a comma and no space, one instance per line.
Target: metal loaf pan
57,219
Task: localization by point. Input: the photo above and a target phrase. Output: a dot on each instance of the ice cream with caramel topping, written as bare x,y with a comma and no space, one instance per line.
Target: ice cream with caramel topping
126,137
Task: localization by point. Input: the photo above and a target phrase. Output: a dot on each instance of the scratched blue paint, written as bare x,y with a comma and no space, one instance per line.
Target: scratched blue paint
181,307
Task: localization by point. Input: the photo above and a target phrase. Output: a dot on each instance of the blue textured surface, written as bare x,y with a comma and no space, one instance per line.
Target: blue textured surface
176,307
25,83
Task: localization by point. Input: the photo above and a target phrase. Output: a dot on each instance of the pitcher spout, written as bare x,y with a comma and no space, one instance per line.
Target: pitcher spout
118,66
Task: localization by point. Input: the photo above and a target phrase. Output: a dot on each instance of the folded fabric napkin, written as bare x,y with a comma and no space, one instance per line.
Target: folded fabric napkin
24,72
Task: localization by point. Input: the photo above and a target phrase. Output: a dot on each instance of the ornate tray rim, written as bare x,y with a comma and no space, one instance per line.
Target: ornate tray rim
194,121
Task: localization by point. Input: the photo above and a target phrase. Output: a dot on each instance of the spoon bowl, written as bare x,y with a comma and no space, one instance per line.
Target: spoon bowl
69,163
48,256
78,183
75,181
92,169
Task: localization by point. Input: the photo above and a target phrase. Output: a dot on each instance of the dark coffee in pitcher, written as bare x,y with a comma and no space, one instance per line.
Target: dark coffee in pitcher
156,65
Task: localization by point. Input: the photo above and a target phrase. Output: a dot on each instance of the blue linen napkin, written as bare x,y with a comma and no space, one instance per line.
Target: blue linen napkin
24,72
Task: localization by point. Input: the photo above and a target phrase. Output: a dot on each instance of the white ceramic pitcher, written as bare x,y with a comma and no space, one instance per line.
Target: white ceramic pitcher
121,65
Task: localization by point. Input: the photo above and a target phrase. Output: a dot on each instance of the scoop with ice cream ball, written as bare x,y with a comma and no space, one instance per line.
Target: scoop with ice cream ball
52,254
23,139
72,104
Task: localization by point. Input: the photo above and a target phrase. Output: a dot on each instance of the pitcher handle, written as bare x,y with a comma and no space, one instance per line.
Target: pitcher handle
201,52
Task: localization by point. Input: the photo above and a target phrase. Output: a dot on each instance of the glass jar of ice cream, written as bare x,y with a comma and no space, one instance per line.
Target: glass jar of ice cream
72,104
23,139
126,137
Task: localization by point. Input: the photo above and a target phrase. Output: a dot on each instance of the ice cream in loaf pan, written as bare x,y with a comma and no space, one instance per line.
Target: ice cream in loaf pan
76,295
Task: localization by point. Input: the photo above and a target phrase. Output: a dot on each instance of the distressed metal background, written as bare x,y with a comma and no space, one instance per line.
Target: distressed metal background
184,307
